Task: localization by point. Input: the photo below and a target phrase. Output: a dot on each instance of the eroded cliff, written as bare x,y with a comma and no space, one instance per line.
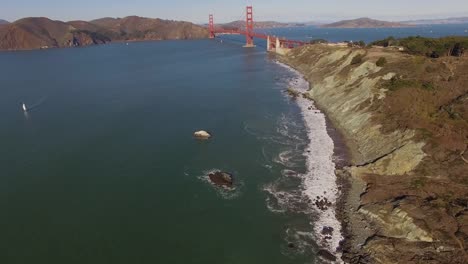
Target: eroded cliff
406,125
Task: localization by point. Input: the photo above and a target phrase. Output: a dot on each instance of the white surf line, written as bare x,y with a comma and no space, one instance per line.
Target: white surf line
320,179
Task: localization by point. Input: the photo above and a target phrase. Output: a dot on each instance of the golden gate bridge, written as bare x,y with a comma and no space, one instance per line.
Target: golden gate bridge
274,44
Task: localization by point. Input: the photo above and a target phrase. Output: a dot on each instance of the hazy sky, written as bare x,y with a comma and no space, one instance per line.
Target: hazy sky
228,10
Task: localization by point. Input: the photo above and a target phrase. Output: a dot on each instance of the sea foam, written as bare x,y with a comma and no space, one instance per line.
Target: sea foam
319,182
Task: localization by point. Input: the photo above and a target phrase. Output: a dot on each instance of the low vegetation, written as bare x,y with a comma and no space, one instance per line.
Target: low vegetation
318,41
430,47
357,59
360,44
397,83
381,62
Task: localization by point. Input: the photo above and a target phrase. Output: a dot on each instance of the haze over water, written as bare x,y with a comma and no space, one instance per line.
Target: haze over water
104,169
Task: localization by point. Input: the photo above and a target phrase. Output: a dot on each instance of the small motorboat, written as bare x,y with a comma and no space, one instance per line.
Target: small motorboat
25,109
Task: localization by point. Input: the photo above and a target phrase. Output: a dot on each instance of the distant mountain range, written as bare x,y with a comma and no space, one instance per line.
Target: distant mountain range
365,22
3,22
452,20
41,32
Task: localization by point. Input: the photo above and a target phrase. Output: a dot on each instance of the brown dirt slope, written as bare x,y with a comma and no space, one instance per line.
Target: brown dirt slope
406,124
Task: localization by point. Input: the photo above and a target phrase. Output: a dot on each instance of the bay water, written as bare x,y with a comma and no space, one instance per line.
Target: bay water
103,167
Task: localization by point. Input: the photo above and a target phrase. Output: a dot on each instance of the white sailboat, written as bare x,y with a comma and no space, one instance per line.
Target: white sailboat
25,109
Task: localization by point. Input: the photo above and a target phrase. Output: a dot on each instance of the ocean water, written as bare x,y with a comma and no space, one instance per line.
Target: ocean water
104,168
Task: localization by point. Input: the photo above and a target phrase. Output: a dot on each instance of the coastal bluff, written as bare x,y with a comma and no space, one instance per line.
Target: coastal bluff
405,124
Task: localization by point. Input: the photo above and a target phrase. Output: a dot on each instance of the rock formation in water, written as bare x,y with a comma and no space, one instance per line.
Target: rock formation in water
40,32
202,134
406,125
220,178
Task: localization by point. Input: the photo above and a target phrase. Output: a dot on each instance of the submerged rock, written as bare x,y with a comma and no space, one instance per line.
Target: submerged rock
326,255
327,231
202,134
322,203
221,178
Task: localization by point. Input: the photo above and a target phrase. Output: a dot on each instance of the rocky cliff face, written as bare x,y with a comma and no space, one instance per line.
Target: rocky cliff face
406,125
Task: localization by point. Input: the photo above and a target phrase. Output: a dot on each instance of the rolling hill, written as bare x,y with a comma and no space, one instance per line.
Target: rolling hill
141,28
365,23
41,32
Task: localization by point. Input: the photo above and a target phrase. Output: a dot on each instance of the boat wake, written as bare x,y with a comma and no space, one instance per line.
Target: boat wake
32,107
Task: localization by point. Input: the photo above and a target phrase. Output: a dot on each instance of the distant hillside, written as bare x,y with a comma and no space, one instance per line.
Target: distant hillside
364,23
260,24
451,20
41,32
3,22
140,28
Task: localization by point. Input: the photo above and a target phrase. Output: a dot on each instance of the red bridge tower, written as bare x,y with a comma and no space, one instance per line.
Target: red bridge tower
212,27
249,28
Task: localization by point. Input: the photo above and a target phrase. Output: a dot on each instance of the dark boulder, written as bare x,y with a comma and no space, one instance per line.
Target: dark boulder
221,178
327,231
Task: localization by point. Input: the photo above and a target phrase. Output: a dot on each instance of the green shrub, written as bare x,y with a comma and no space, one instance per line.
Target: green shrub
318,41
361,43
427,86
429,47
397,83
381,62
384,42
357,59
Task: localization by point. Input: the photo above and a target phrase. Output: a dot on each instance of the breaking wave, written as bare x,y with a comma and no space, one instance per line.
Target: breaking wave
312,192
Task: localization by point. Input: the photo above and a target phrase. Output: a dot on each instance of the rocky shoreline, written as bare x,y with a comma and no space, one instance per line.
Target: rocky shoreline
396,191
329,235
